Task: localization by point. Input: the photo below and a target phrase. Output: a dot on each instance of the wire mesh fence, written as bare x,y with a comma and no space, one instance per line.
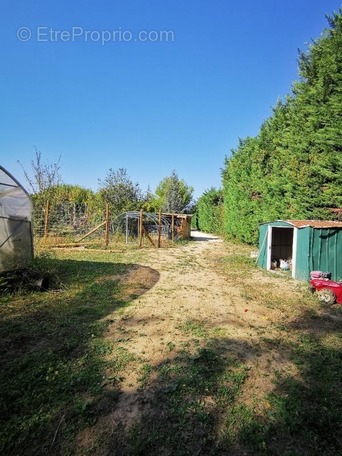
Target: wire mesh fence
67,222
71,223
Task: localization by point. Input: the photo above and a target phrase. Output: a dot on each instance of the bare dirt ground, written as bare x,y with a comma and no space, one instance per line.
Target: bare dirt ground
188,290
192,292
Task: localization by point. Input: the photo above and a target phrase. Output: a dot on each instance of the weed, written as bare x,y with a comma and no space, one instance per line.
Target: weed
195,328
146,371
171,346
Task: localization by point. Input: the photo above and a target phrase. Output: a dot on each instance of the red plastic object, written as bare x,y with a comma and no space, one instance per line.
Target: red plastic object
334,287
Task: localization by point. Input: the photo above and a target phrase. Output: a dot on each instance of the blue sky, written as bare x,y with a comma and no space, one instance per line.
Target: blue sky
149,106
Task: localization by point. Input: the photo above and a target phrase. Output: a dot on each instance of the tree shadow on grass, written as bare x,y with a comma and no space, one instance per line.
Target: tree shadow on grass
52,354
308,408
195,402
187,398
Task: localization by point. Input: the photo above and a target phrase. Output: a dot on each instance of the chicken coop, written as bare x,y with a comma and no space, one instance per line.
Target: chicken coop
304,245
16,243
169,226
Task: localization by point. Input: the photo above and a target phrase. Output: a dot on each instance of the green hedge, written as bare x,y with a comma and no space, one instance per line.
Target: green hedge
292,168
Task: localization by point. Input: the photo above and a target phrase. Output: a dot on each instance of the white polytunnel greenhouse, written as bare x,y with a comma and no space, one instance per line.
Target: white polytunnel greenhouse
16,242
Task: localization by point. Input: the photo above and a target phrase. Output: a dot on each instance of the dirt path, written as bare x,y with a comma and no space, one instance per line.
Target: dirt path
189,294
205,296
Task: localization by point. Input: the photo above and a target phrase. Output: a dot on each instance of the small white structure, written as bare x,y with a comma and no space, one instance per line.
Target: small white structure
16,242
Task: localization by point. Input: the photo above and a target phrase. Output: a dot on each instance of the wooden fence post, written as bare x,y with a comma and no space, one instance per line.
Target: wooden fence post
141,228
107,223
46,219
126,234
172,227
159,228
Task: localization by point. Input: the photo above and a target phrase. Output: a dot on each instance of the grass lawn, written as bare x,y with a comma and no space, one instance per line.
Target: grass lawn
62,372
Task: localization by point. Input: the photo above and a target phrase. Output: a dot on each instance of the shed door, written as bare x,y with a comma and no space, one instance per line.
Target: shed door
280,245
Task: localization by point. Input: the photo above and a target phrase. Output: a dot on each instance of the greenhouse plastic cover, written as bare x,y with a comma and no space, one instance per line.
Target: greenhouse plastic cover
14,201
16,244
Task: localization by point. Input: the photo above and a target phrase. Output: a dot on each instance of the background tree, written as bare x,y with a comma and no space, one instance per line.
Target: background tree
173,194
210,211
44,175
148,201
120,192
70,208
65,193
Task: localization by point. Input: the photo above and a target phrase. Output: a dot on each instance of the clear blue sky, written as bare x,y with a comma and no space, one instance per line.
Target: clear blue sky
147,106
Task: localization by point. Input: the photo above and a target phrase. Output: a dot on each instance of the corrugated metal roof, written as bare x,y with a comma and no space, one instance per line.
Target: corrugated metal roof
315,223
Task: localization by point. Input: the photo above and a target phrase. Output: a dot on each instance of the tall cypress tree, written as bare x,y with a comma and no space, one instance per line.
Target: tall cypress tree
293,168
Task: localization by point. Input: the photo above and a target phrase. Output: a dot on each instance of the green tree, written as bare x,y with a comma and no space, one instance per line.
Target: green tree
292,168
173,194
210,211
70,207
316,126
120,192
65,193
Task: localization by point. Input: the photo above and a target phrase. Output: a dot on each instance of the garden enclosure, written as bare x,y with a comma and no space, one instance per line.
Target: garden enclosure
69,223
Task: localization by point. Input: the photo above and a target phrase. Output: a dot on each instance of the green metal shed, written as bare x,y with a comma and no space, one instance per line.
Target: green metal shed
311,245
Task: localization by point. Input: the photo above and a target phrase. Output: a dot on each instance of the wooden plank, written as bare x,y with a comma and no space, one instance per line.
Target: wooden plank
77,249
92,231
148,236
73,244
